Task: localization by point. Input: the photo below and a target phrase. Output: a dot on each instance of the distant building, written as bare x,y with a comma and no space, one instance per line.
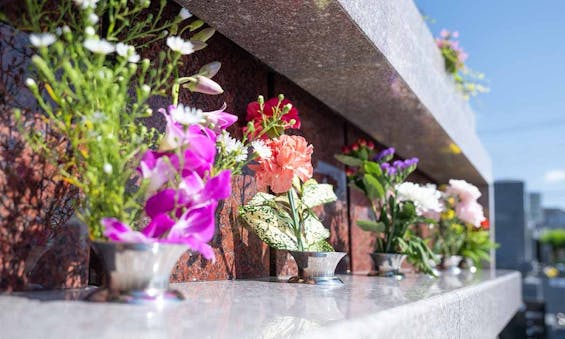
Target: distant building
553,218
510,225
534,210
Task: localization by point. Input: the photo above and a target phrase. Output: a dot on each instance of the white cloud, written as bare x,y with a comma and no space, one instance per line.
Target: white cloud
555,175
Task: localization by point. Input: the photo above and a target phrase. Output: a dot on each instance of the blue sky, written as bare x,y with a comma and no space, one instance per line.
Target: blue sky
520,46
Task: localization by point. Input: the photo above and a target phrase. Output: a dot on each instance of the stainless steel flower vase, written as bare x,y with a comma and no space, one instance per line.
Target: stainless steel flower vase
137,273
388,264
450,265
317,268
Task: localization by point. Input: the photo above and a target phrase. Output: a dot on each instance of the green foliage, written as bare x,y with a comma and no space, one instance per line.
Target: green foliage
287,221
555,238
477,245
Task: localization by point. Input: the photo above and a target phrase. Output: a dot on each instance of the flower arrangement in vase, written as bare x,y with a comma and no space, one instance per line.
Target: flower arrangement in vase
462,236
92,85
397,206
468,82
284,219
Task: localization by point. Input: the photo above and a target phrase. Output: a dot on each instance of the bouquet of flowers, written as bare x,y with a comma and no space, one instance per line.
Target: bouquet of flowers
284,219
467,81
93,87
396,205
463,228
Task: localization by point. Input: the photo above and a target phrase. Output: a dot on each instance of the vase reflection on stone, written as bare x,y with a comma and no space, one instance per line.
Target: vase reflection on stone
388,264
317,268
137,273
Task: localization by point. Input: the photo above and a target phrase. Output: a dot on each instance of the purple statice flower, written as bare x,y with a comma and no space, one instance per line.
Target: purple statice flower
385,154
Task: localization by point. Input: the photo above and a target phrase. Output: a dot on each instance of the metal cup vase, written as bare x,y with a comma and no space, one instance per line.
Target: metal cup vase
450,265
388,264
317,268
137,273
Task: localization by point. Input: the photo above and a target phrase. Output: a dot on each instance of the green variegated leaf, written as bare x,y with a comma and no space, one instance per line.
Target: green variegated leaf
314,194
314,230
264,222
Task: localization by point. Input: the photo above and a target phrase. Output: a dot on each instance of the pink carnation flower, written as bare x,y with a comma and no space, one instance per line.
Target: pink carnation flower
290,156
465,191
470,212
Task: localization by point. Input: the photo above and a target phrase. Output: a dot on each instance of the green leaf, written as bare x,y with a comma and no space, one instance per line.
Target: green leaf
374,188
349,160
371,226
372,168
314,194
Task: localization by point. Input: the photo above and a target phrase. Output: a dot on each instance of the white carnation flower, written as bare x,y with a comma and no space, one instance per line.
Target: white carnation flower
425,198
261,149
93,18
187,115
179,45
107,168
89,31
99,46
42,39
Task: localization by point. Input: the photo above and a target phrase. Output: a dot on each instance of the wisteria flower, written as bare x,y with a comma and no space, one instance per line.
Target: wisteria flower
99,46
425,198
291,156
42,39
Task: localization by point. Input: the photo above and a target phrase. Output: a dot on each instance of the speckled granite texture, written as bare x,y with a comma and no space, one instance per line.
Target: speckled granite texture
476,306
372,61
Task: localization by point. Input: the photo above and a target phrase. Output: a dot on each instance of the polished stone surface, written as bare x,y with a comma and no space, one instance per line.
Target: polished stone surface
372,61
468,306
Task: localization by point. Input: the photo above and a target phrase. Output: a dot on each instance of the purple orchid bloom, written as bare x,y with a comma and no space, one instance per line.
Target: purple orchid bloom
220,120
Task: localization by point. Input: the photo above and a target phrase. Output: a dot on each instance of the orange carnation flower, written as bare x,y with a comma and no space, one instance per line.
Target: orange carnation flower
290,156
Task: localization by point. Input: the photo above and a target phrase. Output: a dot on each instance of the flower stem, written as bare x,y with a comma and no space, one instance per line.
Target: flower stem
297,225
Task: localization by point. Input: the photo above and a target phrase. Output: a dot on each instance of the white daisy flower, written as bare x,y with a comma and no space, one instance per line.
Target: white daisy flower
261,149
107,168
187,115
179,45
127,51
93,18
99,46
184,13
89,31
84,4
42,39
232,146
30,82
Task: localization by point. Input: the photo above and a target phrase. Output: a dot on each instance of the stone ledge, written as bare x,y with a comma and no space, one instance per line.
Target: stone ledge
450,307
372,61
